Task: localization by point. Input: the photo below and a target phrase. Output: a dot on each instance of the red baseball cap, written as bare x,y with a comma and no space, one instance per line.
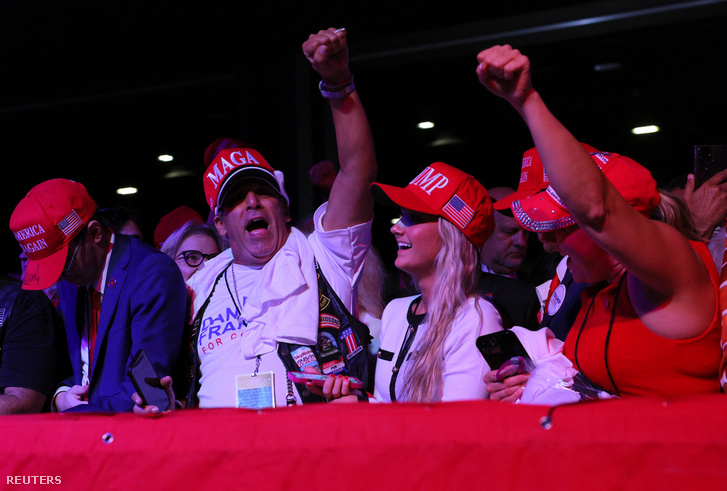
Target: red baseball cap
173,221
217,146
445,191
533,178
233,165
45,222
545,211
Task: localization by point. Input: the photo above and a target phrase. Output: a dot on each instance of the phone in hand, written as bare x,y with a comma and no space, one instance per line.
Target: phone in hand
708,160
319,379
500,347
146,382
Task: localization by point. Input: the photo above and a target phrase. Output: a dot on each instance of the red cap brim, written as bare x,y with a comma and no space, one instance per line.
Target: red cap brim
506,202
541,213
43,273
392,195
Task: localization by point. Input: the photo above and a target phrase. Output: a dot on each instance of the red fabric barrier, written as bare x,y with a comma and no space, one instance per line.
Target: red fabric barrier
619,444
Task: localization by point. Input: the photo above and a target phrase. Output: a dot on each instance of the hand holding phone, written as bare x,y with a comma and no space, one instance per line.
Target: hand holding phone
146,382
708,161
319,379
514,366
507,358
500,347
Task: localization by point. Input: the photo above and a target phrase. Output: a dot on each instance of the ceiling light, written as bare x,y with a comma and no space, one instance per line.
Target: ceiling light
179,173
124,191
425,125
607,67
165,158
645,130
446,140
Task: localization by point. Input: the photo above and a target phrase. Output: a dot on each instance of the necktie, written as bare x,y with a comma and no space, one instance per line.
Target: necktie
95,302
543,312
553,285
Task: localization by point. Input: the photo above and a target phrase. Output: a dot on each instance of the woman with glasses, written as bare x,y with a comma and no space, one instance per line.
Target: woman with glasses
191,245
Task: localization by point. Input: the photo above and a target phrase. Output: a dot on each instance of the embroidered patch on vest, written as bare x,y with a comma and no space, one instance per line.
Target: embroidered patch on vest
331,321
323,302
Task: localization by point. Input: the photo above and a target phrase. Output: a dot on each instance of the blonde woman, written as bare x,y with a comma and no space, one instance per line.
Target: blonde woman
427,351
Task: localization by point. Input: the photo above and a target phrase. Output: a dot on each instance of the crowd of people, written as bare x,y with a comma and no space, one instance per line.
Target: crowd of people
245,310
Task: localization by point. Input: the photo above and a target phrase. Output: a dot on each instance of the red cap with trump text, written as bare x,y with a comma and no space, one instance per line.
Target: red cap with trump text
45,222
445,191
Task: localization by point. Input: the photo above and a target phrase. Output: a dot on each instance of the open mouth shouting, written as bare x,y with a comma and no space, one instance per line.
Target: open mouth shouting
257,226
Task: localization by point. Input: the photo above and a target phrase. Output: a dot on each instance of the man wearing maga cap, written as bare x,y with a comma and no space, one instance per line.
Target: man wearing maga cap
263,291
559,296
500,257
117,294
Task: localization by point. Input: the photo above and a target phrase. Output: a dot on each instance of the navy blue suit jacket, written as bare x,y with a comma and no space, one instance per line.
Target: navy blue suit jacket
143,307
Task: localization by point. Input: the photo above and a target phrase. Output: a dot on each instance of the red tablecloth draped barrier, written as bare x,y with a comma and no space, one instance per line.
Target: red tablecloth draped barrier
619,444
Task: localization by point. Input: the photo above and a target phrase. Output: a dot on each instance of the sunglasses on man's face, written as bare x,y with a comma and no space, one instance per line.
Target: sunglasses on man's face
67,269
195,258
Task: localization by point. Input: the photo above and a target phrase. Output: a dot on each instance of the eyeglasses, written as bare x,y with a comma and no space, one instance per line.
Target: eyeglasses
194,258
409,218
73,257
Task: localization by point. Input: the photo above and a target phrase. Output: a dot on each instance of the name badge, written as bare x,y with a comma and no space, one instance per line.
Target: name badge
255,391
556,300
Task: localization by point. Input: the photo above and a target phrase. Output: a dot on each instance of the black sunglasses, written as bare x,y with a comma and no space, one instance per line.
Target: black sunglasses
80,238
195,258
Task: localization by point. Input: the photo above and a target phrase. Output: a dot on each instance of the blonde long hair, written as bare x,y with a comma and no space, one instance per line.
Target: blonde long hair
372,285
675,212
457,270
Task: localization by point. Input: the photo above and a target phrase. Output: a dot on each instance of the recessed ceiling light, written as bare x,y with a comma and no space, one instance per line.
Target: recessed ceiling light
425,125
446,140
179,173
165,158
607,67
129,190
645,130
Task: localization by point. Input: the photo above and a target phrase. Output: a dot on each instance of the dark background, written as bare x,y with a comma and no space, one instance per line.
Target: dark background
94,91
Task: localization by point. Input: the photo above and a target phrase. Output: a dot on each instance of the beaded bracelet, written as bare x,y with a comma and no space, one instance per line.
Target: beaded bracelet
337,91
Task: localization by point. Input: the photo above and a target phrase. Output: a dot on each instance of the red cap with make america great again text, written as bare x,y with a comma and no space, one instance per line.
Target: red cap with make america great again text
45,222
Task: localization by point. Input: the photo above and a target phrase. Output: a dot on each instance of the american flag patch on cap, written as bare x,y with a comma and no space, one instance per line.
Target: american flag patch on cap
70,224
458,211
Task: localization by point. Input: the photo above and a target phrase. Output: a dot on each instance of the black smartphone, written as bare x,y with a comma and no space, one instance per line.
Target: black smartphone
708,160
499,347
146,382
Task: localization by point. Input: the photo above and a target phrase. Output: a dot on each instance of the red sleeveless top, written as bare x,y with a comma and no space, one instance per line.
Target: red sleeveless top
640,362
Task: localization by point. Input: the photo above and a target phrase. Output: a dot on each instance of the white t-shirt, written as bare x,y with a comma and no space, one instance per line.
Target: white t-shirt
340,254
463,367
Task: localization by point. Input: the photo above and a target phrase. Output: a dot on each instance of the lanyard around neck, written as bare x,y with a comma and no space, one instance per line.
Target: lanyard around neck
608,333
